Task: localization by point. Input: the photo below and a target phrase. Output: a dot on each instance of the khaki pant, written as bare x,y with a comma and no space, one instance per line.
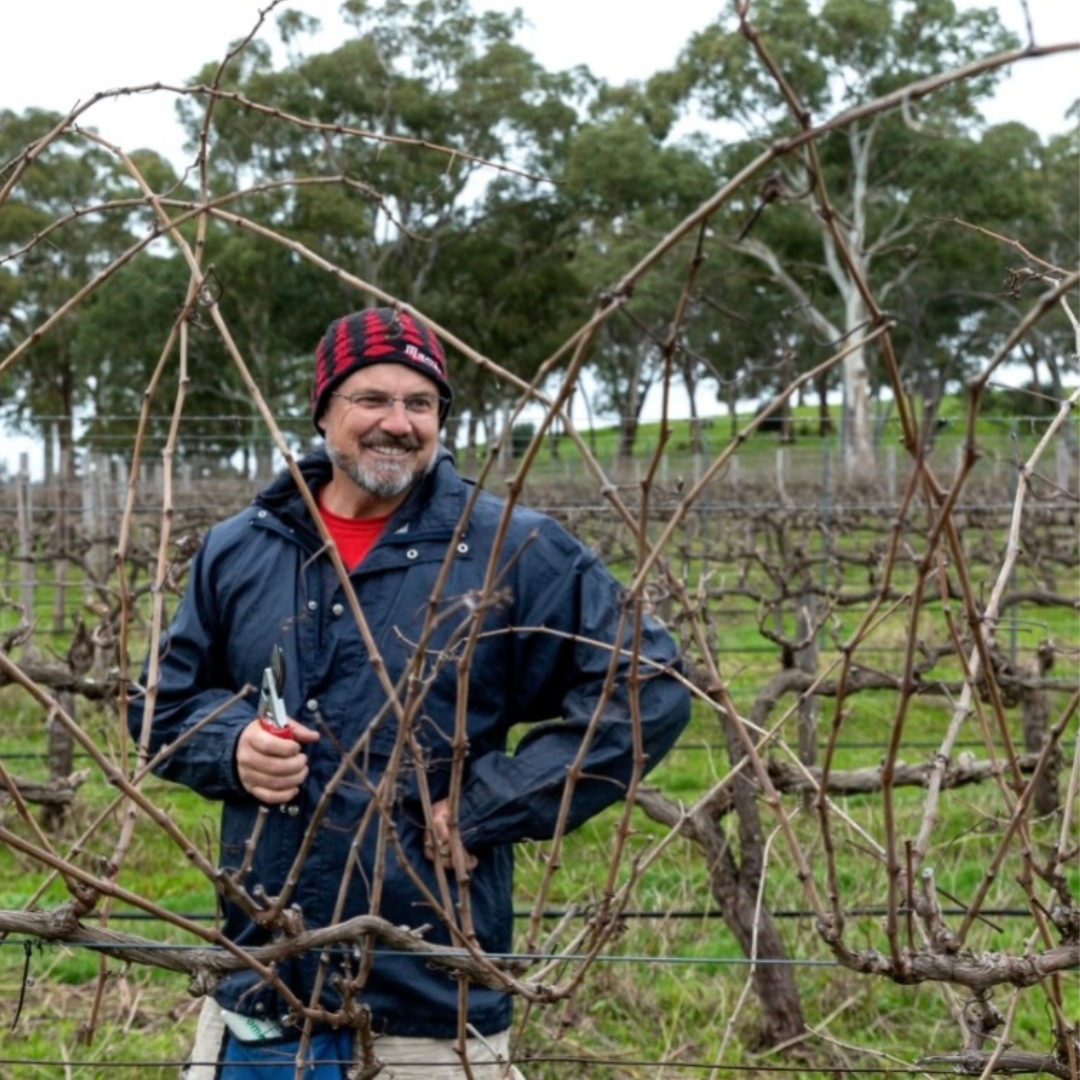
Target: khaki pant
403,1058
436,1059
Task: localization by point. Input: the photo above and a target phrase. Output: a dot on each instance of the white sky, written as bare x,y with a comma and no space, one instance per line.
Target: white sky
60,52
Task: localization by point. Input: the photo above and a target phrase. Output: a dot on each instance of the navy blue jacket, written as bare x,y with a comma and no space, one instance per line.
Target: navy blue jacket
259,580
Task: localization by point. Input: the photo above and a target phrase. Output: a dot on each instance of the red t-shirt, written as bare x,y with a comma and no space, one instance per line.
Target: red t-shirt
354,537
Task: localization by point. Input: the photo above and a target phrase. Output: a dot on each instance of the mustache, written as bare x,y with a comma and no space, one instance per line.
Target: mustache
382,441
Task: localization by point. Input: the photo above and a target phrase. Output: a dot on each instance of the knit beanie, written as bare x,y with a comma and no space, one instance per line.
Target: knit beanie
376,336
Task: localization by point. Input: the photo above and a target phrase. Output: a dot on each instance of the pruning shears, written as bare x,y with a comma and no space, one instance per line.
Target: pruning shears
272,713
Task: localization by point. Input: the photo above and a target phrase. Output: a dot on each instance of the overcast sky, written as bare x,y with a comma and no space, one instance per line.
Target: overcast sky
59,52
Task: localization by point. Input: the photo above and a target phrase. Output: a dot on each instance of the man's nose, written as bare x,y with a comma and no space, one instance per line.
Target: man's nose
396,419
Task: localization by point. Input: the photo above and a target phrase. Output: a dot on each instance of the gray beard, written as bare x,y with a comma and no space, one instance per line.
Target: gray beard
386,482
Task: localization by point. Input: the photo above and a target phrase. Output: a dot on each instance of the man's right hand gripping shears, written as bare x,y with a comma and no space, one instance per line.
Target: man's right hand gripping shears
272,714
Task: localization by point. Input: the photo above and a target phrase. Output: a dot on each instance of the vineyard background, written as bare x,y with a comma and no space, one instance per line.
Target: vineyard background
862,856
777,537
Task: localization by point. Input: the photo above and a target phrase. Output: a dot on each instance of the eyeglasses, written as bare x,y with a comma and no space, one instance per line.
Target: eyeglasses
374,401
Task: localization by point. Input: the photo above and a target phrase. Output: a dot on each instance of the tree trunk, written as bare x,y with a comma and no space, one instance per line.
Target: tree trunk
696,441
630,406
787,375
472,437
825,424
262,448
774,983
733,409
736,888
628,429
1057,388
506,443
858,446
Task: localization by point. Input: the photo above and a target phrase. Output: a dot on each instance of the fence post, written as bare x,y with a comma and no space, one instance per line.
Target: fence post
120,485
91,511
24,523
87,486
781,473
156,484
61,541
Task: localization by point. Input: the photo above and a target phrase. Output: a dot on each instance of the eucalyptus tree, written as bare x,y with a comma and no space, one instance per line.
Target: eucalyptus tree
629,184
65,220
1031,243
882,174
508,283
399,123
390,157
125,327
959,286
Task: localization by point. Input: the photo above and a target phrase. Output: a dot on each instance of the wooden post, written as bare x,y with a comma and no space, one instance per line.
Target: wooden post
506,446
121,485
24,523
102,504
781,472
88,522
61,541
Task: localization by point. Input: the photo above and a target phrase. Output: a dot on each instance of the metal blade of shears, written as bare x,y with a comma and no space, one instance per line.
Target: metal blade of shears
272,713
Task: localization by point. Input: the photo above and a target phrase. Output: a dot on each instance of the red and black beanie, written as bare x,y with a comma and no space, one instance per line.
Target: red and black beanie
376,336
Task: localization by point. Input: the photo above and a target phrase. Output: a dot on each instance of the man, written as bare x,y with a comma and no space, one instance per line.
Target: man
533,647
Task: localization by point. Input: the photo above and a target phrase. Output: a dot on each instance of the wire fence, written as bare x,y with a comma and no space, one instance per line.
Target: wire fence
205,455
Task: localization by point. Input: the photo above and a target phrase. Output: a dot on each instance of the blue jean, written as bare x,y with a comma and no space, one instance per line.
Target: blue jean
328,1057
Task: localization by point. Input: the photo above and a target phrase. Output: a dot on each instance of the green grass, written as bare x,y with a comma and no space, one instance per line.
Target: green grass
1004,433
648,1009
643,1010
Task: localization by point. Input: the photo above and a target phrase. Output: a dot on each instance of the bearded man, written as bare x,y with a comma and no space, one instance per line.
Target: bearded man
557,651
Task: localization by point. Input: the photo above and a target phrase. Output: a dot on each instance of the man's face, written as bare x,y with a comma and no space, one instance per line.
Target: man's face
384,446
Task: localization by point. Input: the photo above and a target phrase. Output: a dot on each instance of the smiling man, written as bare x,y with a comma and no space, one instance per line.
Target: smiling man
561,651
378,400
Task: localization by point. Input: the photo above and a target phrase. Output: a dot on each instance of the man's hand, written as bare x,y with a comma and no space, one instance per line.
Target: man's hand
437,843
272,768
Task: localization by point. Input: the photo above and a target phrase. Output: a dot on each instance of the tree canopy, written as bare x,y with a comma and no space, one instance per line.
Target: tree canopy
431,157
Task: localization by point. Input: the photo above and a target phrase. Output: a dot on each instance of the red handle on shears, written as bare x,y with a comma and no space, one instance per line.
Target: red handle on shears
268,725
